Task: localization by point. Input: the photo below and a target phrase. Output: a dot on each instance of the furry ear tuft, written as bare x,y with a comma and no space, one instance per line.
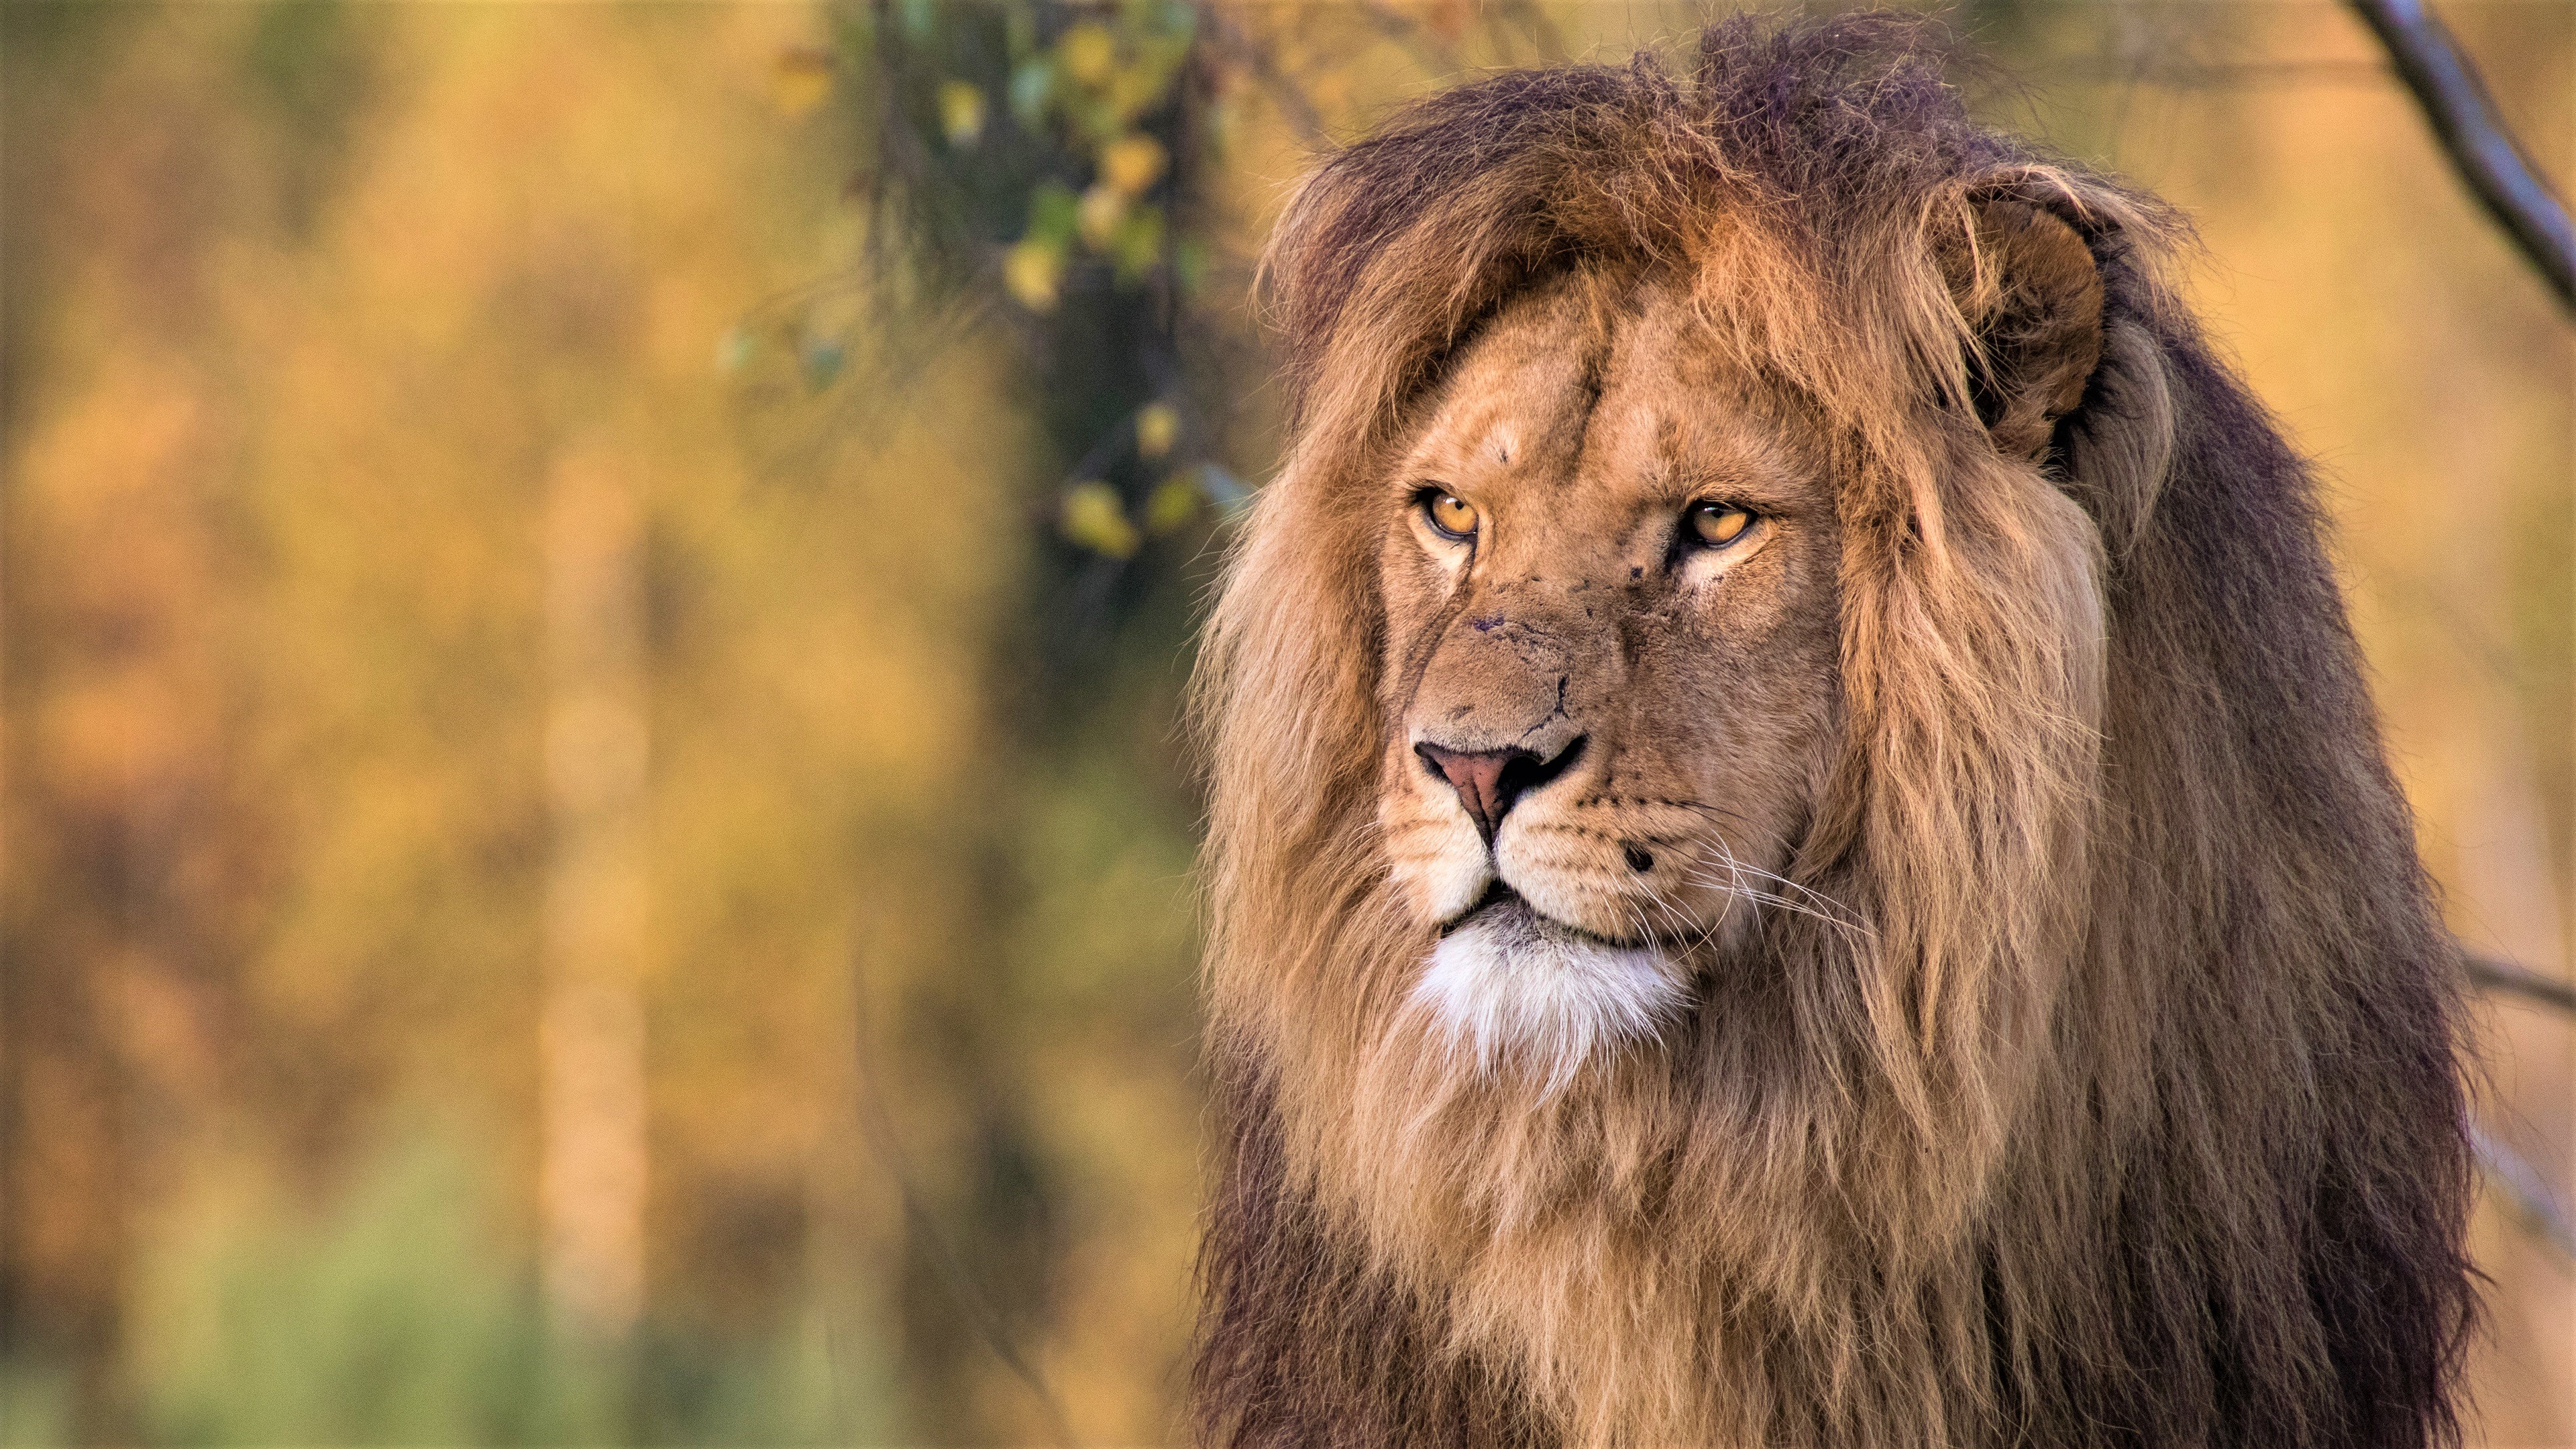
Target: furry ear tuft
2027,286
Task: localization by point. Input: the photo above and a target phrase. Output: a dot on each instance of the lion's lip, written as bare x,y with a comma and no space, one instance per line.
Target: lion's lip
1500,904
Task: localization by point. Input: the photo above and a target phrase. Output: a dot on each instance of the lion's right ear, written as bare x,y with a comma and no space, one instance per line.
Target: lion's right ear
2028,290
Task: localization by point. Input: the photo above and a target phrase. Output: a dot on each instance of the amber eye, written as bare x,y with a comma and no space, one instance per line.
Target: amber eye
1451,516
1718,524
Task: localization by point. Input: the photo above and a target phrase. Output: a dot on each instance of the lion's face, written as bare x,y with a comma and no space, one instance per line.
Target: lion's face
1608,570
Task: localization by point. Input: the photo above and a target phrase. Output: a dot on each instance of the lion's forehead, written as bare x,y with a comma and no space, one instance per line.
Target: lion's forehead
1592,413
1513,408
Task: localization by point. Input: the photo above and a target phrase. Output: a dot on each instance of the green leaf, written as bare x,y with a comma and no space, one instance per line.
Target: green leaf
1088,52
1055,213
1032,87
823,358
1034,273
1093,518
1138,244
1158,427
961,113
1173,505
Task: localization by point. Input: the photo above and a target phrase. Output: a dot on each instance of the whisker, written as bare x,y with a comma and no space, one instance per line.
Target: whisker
1704,807
1734,863
1737,869
1856,930
1699,935
1816,896
1682,925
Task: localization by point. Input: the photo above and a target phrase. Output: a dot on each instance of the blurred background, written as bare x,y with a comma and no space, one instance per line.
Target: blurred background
593,600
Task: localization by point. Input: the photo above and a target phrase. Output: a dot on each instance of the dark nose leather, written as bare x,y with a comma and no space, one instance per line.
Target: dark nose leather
1490,782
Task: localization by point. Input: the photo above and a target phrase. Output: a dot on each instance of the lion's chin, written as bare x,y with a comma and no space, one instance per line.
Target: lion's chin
1524,992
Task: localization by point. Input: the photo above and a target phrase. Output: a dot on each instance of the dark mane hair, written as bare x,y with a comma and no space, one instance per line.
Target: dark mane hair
2222,1194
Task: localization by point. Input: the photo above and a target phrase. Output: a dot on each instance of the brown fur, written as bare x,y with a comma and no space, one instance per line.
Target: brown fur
2068,1048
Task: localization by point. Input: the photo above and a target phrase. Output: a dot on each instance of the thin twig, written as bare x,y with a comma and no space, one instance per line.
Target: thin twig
2219,75
1552,49
1292,102
2521,981
1429,51
2454,100
2516,1178
2528,1190
877,1130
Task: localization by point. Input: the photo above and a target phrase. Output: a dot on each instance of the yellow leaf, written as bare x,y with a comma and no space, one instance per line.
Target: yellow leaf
1173,504
1132,162
961,112
800,80
1158,426
1032,270
1088,52
1093,519
1101,210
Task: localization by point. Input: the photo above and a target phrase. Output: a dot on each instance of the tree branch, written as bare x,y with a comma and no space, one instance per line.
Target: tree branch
2455,101
2521,981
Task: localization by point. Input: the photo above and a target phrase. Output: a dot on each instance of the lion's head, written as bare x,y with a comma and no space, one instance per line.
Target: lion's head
1797,853
1607,571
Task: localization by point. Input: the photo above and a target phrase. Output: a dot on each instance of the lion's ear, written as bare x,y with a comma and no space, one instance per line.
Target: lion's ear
2026,285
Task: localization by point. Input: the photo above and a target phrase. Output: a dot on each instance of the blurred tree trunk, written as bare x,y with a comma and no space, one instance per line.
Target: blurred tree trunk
126,841
591,1032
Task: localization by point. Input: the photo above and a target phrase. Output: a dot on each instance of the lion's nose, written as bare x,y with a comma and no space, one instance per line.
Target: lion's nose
1490,782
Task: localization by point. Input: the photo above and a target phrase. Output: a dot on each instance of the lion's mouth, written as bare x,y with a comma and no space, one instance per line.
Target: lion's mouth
1510,982
1502,906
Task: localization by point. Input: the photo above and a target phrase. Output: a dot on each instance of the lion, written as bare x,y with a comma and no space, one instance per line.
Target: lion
1798,852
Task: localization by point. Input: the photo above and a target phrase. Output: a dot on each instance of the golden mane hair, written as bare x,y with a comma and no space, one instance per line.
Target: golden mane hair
2120,1107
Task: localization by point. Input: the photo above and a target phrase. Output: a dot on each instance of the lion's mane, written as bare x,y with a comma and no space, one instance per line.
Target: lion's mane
2122,1109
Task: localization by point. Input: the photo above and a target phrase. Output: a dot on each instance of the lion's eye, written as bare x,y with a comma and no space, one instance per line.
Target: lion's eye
1718,524
1451,516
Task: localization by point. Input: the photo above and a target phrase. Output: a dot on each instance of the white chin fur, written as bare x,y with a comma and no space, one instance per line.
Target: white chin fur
1514,987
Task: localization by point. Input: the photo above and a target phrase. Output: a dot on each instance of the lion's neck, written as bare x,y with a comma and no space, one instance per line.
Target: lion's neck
1671,1247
